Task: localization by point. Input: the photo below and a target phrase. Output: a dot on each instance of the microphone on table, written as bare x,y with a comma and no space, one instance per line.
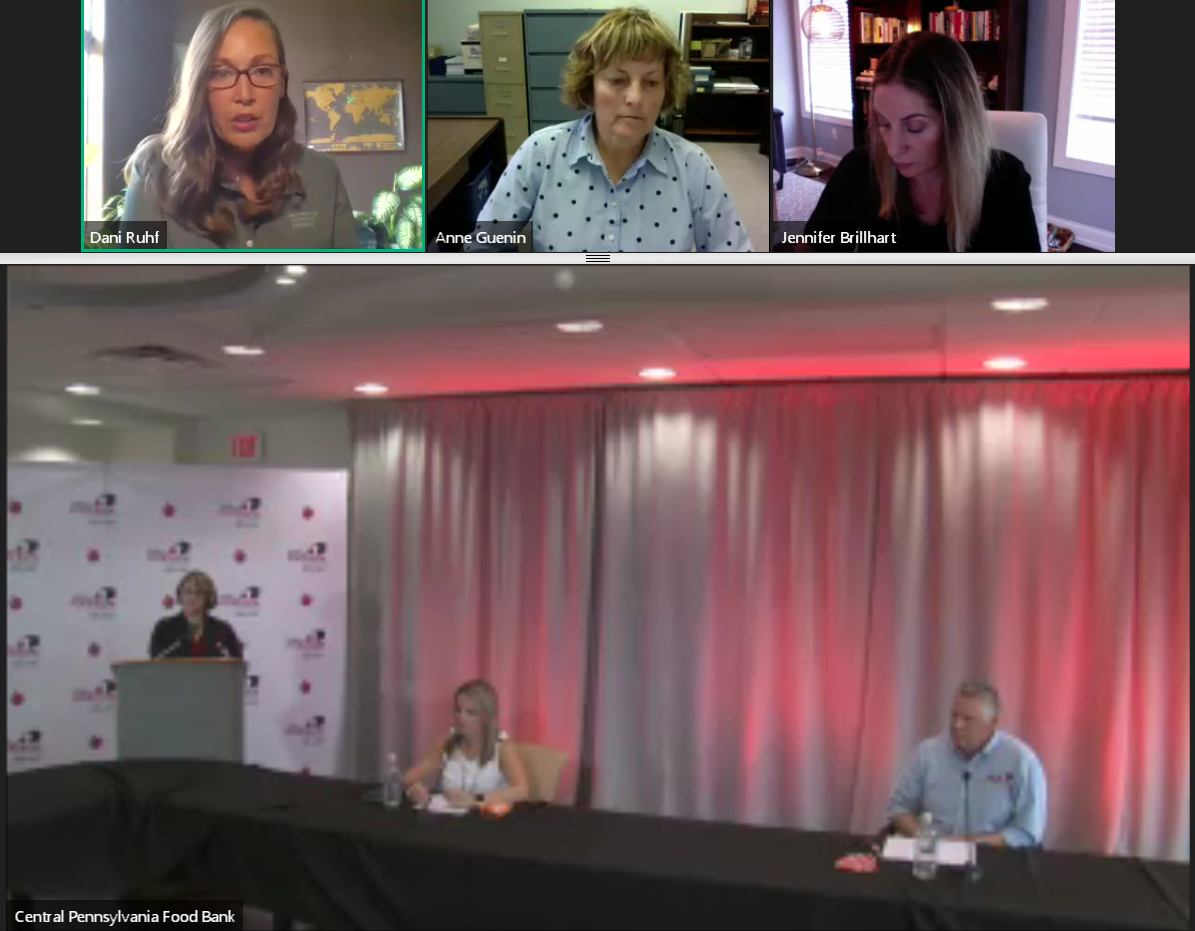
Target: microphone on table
972,870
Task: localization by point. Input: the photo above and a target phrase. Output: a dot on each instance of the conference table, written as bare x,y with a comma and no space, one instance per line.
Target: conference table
315,849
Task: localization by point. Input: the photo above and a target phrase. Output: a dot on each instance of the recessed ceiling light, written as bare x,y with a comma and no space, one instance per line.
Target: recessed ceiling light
296,269
244,351
1005,364
83,389
581,326
284,279
1020,305
371,388
657,374
565,279
87,422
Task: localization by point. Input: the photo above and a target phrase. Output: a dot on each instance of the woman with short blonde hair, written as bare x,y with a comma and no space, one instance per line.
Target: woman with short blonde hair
615,181
928,179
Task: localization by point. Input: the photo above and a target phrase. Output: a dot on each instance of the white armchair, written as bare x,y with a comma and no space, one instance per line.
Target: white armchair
1025,136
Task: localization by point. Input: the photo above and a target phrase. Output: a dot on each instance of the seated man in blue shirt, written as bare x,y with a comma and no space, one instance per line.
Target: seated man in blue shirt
613,181
999,777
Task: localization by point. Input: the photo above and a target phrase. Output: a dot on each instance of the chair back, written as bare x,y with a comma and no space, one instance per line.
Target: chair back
544,766
1025,135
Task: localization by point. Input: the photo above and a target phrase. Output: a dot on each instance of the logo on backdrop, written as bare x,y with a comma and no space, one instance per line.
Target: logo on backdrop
307,600
310,733
309,513
25,749
17,698
96,742
94,649
25,652
246,604
310,647
14,507
169,510
100,699
247,514
100,606
252,688
314,558
103,510
15,603
93,555
175,558
25,556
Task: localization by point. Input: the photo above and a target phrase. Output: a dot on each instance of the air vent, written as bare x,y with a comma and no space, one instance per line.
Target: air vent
153,355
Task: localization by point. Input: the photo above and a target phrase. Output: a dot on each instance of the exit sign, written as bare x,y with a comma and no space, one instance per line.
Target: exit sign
246,446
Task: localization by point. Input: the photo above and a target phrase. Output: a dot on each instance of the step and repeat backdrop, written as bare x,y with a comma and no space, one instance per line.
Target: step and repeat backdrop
95,555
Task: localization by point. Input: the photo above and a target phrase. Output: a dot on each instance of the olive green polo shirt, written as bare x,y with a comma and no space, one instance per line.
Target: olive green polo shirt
315,214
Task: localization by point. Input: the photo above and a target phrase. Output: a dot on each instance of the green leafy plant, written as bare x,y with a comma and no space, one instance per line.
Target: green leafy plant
110,219
399,211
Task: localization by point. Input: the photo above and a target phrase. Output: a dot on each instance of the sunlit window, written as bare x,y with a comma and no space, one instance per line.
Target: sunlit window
93,108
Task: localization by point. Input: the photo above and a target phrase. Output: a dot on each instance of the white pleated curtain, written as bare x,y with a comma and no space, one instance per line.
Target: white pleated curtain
752,603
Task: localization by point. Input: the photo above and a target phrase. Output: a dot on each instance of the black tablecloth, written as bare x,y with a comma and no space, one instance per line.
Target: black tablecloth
310,848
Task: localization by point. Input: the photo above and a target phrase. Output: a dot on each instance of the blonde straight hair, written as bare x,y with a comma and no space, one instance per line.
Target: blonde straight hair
485,698
939,69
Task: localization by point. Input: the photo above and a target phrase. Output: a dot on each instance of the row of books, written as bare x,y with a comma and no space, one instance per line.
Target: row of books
874,28
967,26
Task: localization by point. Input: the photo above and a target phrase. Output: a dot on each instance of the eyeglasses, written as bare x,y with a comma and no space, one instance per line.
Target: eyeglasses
222,77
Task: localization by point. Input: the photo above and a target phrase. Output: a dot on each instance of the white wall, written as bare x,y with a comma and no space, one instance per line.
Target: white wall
447,20
34,440
310,441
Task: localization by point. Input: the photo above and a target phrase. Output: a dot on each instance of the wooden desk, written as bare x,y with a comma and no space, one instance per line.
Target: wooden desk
451,141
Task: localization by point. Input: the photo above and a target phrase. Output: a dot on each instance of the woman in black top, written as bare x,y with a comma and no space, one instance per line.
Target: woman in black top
193,632
928,180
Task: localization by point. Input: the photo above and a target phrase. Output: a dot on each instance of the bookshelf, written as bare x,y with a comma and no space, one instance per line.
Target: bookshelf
727,117
1003,58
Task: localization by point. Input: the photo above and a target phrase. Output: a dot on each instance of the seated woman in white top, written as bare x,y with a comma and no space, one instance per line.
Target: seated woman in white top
474,766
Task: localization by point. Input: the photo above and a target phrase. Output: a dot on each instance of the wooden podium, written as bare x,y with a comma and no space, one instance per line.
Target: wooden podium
192,709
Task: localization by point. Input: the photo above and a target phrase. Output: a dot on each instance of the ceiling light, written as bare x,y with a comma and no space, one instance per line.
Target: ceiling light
87,422
580,326
1020,305
244,351
565,279
83,389
371,388
1005,364
284,279
657,374
296,269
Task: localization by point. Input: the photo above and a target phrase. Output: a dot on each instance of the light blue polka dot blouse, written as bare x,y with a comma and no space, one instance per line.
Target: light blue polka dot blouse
672,199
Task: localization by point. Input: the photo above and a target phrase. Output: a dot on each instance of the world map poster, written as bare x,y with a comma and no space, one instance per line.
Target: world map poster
354,116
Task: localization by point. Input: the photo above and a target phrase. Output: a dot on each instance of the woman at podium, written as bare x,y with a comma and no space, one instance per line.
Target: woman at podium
193,632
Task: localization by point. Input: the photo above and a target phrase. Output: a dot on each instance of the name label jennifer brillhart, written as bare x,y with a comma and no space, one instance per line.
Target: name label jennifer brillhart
845,238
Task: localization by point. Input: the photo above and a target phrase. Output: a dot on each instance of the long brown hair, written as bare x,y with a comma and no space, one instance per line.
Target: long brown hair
485,698
938,68
181,165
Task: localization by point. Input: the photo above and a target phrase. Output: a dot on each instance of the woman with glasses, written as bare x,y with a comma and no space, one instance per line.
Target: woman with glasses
227,172
193,631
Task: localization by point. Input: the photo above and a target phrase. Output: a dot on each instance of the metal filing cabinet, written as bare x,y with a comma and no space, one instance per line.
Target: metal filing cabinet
551,35
504,67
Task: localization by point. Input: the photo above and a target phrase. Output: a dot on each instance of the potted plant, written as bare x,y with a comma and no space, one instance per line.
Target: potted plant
399,212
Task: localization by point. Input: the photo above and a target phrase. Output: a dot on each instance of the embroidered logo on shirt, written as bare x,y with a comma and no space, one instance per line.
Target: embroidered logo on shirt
303,219
1001,778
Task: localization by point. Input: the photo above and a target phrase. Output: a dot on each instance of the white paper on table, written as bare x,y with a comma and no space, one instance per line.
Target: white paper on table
439,805
950,852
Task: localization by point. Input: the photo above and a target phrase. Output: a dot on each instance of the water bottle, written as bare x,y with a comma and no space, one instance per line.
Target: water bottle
925,848
392,788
